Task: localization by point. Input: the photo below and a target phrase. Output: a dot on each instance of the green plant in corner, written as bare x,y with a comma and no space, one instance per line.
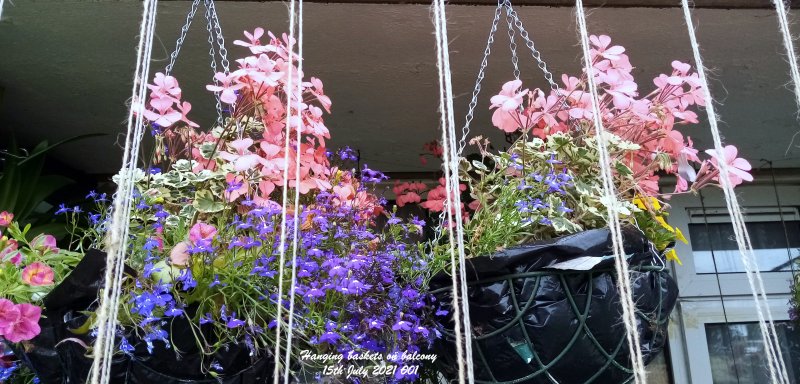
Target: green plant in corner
23,186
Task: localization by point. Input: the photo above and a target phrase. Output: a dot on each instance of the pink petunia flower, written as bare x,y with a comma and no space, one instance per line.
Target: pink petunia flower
10,248
179,255
202,231
9,315
38,274
13,258
44,243
26,326
5,218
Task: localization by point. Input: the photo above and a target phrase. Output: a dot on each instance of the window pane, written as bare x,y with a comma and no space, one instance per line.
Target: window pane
768,239
737,352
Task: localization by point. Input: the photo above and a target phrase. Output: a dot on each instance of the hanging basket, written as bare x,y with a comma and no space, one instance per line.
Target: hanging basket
535,322
58,354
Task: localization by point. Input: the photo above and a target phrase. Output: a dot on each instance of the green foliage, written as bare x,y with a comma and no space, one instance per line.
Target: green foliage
540,189
12,286
23,186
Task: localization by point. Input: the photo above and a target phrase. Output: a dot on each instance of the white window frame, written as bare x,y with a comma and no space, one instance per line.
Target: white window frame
689,355
760,200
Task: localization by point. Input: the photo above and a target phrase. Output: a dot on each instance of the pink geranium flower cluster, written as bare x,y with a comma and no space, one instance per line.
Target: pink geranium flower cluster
256,95
649,120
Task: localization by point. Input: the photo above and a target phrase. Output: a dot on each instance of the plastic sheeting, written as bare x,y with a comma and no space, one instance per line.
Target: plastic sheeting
58,354
536,324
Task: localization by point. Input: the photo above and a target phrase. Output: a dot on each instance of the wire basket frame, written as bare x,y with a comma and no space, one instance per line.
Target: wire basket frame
544,364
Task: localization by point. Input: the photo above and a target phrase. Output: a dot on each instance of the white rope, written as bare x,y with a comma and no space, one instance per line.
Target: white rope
453,199
788,43
295,240
1,8
118,232
289,92
768,332
621,263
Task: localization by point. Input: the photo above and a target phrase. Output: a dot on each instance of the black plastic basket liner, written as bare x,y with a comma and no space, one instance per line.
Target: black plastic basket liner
533,323
56,355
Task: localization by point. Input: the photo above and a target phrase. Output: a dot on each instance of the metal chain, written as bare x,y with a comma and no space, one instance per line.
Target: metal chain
214,37
540,62
213,54
512,40
223,53
462,142
481,74
534,52
179,43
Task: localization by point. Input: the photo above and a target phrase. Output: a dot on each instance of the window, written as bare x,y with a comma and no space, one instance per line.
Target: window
714,243
714,246
737,352
720,349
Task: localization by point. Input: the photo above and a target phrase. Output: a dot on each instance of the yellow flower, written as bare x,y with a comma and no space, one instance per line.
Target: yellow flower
653,203
672,255
679,236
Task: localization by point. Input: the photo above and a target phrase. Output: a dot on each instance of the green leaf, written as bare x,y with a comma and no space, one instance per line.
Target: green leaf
38,192
479,165
561,224
41,150
622,169
204,201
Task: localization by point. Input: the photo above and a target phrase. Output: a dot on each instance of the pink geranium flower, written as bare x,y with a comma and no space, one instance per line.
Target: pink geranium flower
25,327
318,91
506,116
602,47
738,168
227,87
242,159
162,114
253,37
165,85
38,274
185,107
509,99
5,218
408,198
202,231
